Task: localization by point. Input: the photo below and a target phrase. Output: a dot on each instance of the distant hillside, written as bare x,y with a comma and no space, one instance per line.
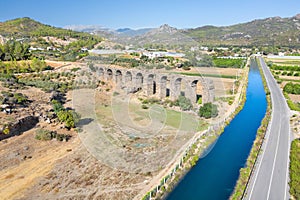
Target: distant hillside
25,27
163,35
45,41
263,32
273,31
166,35
132,32
96,29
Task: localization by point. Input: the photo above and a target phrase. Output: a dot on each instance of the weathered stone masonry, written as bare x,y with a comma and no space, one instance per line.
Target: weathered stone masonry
160,85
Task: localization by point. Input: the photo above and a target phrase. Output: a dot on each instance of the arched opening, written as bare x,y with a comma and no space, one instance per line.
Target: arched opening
118,76
128,77
139,81
109,74
167,92
164,91
198,88
100,72
178,88
151,85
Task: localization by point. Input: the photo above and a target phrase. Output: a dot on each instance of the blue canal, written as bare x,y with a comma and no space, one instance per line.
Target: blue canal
215,175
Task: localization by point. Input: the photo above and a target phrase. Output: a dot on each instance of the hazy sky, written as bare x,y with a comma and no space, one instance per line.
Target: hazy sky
146,13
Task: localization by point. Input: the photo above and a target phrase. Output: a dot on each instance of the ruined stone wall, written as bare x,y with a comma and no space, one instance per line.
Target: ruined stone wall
18,127
159,85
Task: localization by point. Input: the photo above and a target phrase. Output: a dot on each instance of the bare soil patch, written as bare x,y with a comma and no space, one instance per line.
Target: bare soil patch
214,70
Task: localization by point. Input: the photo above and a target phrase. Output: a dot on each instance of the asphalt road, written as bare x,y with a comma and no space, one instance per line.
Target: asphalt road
270,177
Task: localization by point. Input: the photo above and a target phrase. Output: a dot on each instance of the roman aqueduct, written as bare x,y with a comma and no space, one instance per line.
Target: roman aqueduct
159,85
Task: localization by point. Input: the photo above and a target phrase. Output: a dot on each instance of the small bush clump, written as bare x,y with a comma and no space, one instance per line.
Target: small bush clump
42,134
208,110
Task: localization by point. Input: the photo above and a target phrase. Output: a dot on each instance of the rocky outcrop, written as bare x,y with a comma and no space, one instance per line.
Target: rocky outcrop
297,16
18,127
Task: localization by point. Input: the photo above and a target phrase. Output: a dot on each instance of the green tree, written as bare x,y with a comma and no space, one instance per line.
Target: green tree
18,51
57,106
70,118
2,53
208,110
291,88
38,65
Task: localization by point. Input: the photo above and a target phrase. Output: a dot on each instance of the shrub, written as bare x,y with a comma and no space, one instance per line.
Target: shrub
6,131
199,101
150,101
284,73
70,118
116,93
144,106
75,69
290,73
230,101
186,68
62,137
91,67
208,110
20,98
291,88
184,103
42,134
57,106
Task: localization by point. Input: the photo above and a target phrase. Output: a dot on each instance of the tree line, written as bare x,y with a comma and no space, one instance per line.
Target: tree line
14,50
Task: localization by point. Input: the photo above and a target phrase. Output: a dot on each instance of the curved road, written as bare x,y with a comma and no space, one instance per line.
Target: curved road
270,178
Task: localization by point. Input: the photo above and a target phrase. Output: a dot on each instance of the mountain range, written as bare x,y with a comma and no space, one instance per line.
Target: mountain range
273,31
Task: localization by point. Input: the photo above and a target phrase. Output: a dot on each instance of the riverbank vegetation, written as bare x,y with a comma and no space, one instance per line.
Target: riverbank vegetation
245,173
295,169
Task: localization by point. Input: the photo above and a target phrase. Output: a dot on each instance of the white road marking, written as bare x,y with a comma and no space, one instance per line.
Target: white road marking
273,165
262,157
267,73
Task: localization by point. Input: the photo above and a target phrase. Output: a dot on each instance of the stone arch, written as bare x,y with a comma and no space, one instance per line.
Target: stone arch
151,84
118,77
164,90
198,89
178,88
139,81
128,77
109,73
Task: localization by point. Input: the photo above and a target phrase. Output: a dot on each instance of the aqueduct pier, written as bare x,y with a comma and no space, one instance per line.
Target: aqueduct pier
156,84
